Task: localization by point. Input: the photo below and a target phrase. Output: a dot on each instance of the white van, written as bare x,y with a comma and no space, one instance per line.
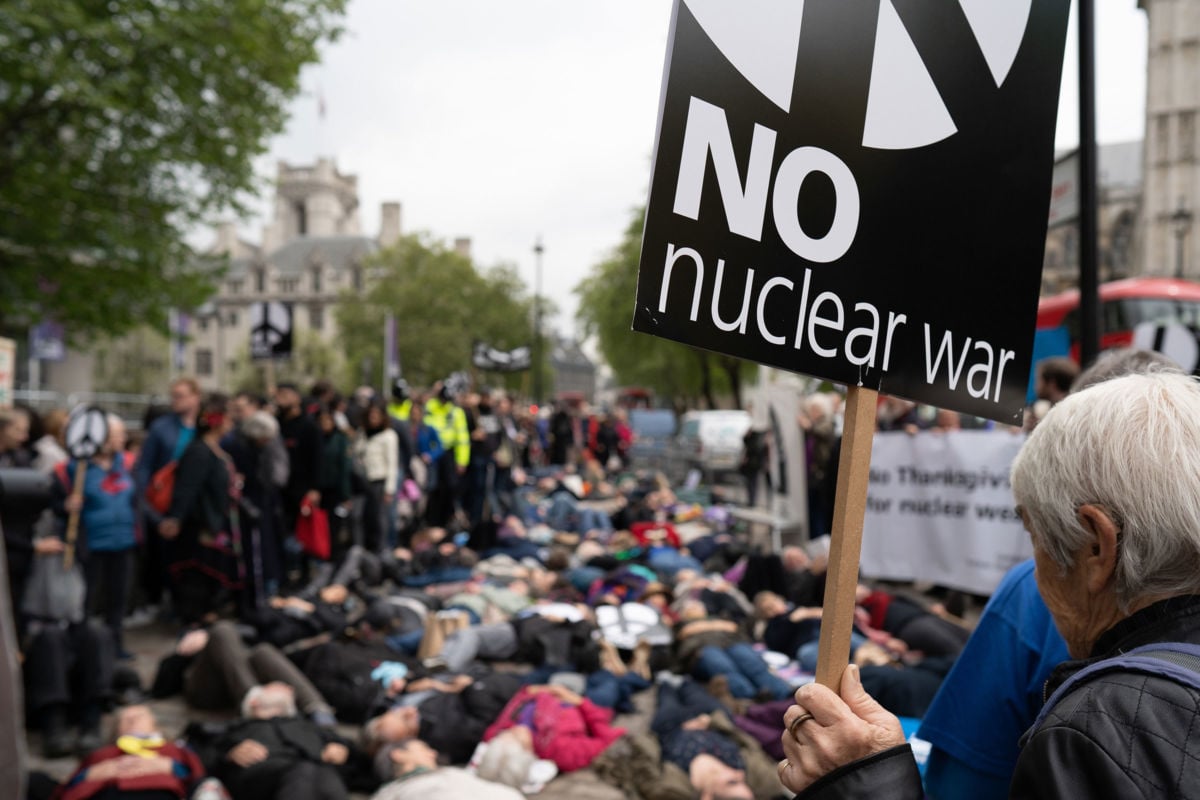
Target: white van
710,441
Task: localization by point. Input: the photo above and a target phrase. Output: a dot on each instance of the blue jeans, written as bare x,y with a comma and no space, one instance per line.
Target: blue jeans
806,656
610,691
669,561
747,673
407,643
603,688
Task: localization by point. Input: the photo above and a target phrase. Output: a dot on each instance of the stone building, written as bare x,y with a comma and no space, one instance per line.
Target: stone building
312,250
1120,179
1169,212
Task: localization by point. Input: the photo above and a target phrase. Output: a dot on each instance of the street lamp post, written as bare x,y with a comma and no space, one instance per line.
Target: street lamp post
1181,221
537,322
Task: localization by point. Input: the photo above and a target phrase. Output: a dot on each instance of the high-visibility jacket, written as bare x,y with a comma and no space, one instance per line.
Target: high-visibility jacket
450,422
400,411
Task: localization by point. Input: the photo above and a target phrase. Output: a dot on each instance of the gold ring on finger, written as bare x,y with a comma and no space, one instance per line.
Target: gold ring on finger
797,722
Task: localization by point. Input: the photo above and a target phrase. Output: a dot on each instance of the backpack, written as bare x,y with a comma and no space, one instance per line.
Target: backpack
1175,661
161,488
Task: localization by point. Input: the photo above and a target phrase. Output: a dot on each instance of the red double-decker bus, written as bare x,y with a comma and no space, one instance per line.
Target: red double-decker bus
1124,305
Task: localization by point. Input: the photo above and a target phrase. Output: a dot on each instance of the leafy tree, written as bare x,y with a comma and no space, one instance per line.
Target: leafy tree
122,126
137,363
681,374
442,305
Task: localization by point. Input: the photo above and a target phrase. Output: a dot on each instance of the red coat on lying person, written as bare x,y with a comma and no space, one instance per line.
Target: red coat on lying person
566,728
134,765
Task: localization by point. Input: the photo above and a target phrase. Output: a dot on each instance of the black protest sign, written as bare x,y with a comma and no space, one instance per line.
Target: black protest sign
858,190
87,431
491,359
270,330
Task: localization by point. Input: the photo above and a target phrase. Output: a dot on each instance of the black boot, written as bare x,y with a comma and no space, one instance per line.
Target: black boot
57,740
89,730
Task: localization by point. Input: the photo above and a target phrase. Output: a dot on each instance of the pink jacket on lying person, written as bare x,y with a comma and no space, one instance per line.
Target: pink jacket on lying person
569,735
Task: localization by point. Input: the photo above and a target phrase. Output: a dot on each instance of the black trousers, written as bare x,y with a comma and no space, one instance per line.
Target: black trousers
226,669
374,517
67,665
443,497
107,576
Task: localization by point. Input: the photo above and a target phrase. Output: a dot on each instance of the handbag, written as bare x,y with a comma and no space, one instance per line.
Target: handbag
312,530
162,488
54,591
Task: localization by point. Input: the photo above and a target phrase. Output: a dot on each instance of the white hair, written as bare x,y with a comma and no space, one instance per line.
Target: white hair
505,761
819,405
260,426
266,702
1131,446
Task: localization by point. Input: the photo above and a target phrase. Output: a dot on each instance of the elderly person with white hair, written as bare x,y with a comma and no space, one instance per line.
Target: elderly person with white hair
412,772
1108,486
273,753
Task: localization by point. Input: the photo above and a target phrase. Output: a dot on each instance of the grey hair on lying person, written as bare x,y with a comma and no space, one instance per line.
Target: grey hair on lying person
1130,446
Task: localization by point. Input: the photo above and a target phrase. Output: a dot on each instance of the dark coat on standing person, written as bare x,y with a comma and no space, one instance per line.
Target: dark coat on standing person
302,439
333,475
202,557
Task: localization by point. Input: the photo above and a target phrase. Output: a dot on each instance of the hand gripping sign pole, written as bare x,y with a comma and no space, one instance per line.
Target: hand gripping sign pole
849,509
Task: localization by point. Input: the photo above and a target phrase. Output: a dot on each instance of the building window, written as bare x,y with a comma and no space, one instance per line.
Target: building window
1187,136
235,287
288,285
316,317
301,218
202,323
204,362
356,278
232,319
260,280
316,280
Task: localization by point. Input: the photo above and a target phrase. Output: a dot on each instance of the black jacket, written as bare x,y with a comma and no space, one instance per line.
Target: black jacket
1118,735
454,723
289,741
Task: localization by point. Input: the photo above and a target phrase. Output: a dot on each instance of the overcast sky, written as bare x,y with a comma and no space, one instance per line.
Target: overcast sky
506,121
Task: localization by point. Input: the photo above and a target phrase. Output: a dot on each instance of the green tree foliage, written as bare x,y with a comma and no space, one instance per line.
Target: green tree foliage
122,126
683,376
442,304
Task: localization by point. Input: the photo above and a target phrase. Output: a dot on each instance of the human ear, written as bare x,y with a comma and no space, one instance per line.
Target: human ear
1100,553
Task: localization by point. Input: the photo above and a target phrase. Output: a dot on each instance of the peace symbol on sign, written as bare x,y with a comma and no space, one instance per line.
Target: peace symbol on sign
87,431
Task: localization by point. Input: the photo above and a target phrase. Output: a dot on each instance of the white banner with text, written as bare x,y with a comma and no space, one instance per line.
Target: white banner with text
940,508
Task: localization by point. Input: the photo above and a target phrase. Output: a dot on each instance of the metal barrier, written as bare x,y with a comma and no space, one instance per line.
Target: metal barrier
129,407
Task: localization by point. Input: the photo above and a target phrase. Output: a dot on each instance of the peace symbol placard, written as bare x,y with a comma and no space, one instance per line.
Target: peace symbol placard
87,430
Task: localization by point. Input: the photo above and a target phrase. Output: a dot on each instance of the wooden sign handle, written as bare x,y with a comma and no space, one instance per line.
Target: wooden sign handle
73,517
845,547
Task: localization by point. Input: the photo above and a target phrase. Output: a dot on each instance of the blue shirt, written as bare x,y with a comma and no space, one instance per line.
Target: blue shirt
993,693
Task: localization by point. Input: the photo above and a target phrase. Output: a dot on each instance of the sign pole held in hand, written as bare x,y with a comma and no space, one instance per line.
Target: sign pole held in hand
87,431
73,517
849,508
